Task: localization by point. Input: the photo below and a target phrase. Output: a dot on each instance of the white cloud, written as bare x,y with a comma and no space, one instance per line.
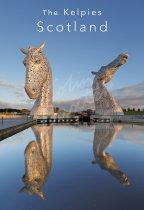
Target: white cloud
17,94
5,84
133,134
130,96
15,105
76,104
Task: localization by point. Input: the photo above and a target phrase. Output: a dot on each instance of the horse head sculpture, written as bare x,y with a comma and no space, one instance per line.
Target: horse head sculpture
38,84
105,104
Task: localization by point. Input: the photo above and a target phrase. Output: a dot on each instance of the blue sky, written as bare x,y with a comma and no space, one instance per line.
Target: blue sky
71,55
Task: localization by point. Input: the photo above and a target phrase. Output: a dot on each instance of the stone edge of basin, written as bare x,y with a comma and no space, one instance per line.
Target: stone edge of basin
10,131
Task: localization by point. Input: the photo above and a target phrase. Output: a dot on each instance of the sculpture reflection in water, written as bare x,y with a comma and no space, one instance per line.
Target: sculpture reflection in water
103,137
38,160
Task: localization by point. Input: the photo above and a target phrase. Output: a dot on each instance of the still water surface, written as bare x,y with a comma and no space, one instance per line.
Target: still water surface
73,168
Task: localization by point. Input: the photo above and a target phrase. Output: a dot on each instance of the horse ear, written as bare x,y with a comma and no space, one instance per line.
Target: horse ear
23,189
41,47
41,195
93,72
23,51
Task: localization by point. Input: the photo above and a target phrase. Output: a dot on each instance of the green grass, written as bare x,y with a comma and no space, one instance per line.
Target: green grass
134,112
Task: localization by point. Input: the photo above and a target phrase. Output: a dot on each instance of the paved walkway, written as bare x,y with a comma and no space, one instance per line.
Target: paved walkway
6,123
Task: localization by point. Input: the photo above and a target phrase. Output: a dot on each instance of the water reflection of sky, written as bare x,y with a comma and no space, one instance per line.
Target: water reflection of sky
74,182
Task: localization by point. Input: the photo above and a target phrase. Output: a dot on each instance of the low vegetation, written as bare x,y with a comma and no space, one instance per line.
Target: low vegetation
133,111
